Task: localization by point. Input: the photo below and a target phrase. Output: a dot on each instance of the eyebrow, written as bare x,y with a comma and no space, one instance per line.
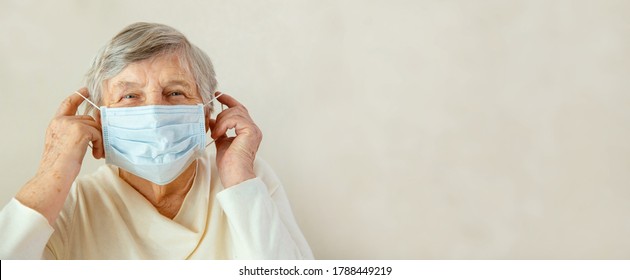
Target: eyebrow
126,84
182,83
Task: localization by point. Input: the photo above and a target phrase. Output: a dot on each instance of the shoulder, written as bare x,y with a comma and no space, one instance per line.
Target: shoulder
96,188
99,180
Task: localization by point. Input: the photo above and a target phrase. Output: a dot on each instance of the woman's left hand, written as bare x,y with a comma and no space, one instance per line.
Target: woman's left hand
235,155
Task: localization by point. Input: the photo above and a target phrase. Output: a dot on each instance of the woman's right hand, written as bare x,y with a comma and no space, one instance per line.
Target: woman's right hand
67,139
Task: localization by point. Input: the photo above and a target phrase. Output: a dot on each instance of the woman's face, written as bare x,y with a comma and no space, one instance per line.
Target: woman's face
160,80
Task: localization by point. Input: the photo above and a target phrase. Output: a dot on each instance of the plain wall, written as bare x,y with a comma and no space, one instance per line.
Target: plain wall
401,129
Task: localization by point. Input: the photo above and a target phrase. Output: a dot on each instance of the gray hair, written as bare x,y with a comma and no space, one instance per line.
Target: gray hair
140,41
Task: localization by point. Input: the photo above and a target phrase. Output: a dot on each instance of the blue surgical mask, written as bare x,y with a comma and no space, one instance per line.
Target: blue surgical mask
154,142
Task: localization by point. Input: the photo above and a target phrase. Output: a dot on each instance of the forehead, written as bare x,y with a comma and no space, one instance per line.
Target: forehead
163,69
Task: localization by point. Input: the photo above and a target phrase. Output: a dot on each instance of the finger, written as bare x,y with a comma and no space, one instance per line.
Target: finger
98,150
234,111
211,124
83,118
221,116
96,138
241,124
95,135
227,100
88,130
221,125
214,130
70,105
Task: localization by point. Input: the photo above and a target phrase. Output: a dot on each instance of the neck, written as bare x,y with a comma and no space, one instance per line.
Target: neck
167,199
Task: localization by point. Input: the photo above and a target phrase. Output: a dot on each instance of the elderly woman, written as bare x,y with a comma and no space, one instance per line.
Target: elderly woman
160,195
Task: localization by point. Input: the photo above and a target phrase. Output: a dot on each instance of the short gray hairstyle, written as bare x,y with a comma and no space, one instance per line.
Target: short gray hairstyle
140,41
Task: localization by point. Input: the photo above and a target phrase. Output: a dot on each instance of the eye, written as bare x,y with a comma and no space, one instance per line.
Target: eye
129,96
175,93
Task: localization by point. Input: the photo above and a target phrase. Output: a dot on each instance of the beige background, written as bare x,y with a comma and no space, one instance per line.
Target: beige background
401,129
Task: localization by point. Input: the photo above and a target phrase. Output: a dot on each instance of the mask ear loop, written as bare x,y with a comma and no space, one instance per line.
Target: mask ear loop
213,99
207,103
97,108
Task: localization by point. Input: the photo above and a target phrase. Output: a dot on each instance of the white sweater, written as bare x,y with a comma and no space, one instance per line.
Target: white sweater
105,218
